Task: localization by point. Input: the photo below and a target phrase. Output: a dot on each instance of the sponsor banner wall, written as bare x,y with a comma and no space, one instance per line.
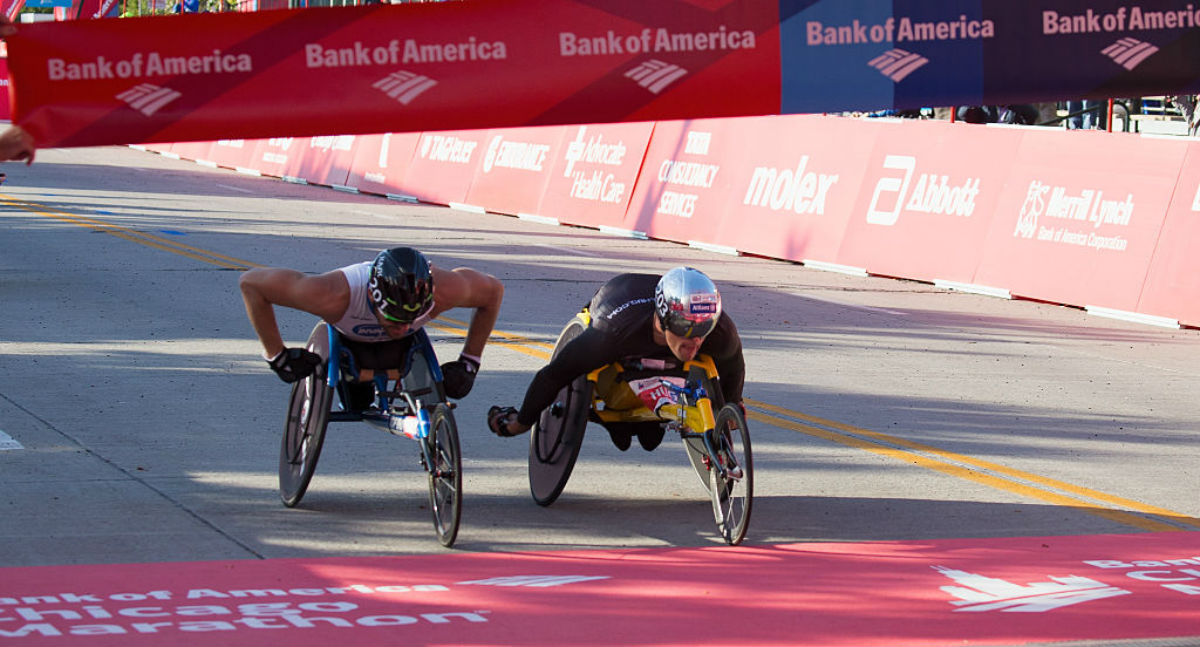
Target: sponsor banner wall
682,189
5,107
926,204
1173,283
1080,216
514,169
793,182
235,153
444,164
322,160
381,162
594,174
198,151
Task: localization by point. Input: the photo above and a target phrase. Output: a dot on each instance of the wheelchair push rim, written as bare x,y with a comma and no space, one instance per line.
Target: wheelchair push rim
305,424
731,474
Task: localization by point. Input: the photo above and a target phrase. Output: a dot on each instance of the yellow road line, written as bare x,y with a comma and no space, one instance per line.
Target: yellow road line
952,464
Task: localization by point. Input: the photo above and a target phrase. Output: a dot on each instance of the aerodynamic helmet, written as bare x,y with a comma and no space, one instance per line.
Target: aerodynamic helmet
687,303
401,286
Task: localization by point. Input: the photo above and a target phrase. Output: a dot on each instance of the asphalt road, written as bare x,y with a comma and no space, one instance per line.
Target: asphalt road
144,427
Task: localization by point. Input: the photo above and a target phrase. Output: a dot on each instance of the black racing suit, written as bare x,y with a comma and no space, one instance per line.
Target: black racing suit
623,328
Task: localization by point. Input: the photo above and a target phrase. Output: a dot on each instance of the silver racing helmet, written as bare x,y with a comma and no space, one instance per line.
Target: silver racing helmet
687,303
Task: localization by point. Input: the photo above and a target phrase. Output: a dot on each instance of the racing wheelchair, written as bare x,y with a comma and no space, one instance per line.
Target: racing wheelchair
649,392
409,402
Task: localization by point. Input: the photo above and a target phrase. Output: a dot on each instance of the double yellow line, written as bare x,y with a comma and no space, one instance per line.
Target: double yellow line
993,475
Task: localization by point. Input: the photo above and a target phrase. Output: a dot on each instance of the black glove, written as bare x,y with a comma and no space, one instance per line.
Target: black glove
497,420
459,376
292,364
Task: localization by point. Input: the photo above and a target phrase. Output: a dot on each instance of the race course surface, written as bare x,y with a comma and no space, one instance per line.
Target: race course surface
932,467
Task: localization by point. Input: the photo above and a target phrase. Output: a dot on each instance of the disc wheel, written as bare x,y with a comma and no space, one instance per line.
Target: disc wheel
445,474
731,489
558,433
304,428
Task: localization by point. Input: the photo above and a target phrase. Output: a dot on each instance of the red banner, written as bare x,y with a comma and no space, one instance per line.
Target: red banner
381,163
444,164
393,68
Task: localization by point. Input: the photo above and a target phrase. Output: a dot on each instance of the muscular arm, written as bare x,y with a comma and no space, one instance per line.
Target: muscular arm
467,288
587,352
325,295
727,355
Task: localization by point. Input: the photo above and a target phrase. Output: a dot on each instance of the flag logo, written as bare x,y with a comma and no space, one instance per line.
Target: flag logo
1129,52
897,64
147,98
404,86
655,75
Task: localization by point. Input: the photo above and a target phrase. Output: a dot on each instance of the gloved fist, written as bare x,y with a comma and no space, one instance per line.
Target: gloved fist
292,364
459,376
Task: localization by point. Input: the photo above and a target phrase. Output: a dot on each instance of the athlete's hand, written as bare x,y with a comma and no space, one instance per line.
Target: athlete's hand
459,376
292,364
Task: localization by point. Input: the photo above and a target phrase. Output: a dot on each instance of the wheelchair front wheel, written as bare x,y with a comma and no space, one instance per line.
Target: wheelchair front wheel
304,429
731,476
445,474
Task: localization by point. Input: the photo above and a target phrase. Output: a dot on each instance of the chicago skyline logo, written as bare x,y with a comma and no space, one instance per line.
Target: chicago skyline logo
148,98
897,64
404,86
1129,52
656,75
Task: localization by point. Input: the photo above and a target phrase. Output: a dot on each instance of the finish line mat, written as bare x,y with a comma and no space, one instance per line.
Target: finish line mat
928,593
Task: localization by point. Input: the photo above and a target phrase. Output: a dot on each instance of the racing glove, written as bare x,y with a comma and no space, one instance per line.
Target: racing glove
459,376
292,364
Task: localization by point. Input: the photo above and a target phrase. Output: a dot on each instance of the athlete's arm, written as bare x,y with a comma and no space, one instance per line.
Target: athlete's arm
464,287
587,352
324,295
726,351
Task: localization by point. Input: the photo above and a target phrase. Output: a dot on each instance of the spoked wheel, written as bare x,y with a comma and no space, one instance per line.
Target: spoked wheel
304,430
557,436
445,474
731,488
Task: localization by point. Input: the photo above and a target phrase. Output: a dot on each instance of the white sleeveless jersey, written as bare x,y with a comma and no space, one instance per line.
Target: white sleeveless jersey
359,322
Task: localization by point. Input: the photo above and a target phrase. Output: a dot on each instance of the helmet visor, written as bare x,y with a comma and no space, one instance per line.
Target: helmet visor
403,314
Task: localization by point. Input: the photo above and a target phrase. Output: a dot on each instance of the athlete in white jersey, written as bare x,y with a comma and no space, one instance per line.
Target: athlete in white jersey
376,306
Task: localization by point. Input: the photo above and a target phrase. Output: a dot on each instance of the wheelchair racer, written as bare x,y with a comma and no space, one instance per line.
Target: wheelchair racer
376,306
638,316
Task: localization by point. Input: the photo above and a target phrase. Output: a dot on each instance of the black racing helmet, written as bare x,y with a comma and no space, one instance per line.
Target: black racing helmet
687,303
401,286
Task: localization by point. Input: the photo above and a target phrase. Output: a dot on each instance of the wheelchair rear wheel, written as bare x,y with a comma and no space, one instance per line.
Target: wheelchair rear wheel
445,474
304,429
557,436
732,491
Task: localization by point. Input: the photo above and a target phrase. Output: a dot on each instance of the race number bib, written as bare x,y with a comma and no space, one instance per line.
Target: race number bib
653,393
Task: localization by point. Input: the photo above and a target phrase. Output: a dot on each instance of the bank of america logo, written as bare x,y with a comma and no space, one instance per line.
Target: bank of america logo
147,98
897,64
404,86
655,75
1129,52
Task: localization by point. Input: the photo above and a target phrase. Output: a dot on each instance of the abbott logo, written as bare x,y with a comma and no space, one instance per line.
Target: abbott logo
1129,52
655,75
1032,209
404,86
1196,200
148,99
932,193
897,64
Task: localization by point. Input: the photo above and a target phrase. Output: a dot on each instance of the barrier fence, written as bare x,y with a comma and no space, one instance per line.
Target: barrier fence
1084,218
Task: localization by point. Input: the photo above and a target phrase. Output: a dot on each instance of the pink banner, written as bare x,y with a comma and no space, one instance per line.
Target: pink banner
1080,216
514,169
322,160
444,165
1173,282
381,163
594,175
393,68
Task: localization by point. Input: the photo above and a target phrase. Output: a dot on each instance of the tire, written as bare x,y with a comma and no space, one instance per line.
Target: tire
445,474
557,435
304,427
732,496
